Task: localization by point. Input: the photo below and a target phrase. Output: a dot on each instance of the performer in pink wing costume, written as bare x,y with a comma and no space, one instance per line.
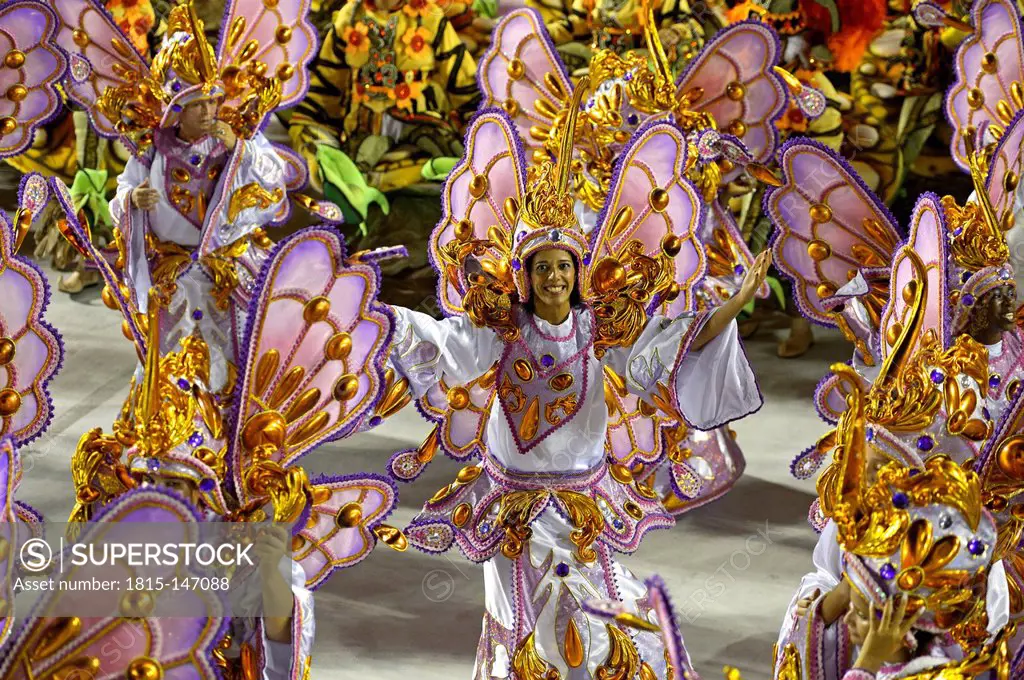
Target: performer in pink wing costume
204,182
523,74
538,314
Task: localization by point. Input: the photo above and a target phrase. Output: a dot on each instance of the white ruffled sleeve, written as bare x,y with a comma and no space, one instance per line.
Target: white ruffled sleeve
425,348
709,387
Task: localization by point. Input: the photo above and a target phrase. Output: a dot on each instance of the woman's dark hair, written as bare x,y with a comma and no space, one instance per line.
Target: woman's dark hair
575,299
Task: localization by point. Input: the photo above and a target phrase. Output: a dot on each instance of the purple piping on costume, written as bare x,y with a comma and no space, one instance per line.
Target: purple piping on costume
394,459
492,52
225,181
796,145
1003,140
775,80
485,115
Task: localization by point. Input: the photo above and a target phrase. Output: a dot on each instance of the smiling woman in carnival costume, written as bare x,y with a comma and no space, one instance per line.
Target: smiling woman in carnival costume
538,314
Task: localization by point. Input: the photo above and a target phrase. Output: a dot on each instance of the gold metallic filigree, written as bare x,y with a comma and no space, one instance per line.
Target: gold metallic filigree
528,664
623,662
252,195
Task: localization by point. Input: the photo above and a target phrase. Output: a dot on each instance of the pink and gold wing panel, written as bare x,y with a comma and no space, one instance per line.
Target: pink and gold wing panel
31,351
928,240
989,74
740,89
650,203
313,363
337,531
729,258
100,56
475,206
32,67
522,73
176,639
829,226
1005,169
277,33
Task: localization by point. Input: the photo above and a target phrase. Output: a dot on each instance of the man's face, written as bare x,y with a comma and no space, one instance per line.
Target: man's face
858,617
1002,307
183,487
200,117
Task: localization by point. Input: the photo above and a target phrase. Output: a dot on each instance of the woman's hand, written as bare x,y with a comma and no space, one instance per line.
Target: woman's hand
755,276
885,633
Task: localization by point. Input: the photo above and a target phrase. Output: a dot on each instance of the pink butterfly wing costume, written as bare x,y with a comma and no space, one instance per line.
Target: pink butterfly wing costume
545,508
732,82
203,242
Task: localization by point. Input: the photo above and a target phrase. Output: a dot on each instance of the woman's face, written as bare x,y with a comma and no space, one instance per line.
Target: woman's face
858,617
182,486
552,276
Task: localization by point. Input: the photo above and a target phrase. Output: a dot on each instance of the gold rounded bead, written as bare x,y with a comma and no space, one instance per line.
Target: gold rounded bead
144,668
516,69
350,515
671,244
735,91
825,290
469,474
478,186
17,93
339,346
458,398
283,34
10,402
560,382
633,510
461,514
523,369
738,128
80,37
346,387
975,98
989,63
14,59
464,230
181,175
136,604
909,291
820,213
285,72
270,4
893,334
108,298
658,199
819,250
8,125
511,107
621,473
7,350
1010,181
316,309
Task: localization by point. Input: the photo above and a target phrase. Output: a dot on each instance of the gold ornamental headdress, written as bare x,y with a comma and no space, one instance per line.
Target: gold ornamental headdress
547,218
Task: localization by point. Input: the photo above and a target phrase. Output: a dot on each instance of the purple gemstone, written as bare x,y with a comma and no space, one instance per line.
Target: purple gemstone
965,277
914,472
629,76
985,412
207,485
617,523
632,119
925,443
195,256
937,376
195,440
900,500
888,572
547,361
562,570
968,299
975,547
195,160
555,235
153,464
197,315
184,384
586,258
176,108
375,421
958,231
176,86
739,269
870,435
516,264
993,381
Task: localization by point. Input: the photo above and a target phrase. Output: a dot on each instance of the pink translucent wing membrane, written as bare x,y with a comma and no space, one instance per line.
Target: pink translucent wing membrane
740,90
32,67
512,73
829,225
315,353
286,38
99,56
328,542
928,240
649,199
988,71
491,171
